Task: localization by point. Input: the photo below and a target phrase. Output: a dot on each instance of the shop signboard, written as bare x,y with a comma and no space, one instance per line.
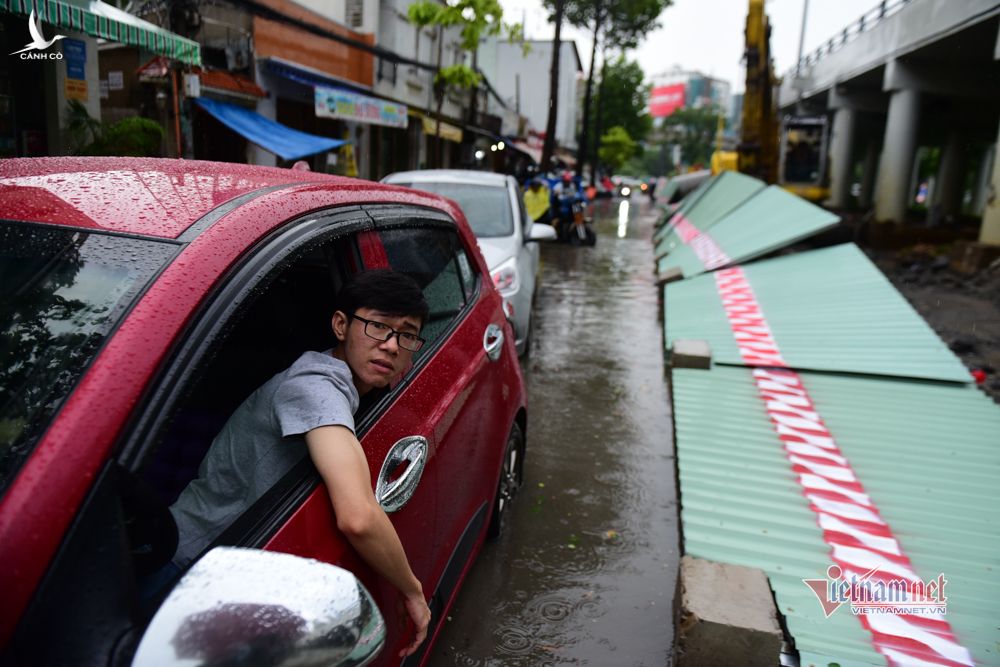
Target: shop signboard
346,105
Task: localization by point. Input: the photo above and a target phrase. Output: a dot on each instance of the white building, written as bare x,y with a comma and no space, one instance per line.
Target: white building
523,81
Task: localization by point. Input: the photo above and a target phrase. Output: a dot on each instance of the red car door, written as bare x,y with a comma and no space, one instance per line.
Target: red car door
465,398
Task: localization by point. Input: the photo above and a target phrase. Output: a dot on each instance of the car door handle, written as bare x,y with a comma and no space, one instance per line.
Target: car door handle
393,488
493,342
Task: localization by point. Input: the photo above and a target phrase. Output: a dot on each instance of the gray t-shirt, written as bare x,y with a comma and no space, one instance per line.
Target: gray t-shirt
263,440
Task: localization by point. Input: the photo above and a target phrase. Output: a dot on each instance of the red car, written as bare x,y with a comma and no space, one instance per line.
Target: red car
142,301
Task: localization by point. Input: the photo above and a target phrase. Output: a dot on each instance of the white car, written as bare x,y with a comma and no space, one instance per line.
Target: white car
493,206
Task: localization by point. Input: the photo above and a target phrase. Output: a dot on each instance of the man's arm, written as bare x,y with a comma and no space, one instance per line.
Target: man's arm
341,462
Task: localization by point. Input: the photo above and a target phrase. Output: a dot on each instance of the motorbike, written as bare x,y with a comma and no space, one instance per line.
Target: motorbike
572,225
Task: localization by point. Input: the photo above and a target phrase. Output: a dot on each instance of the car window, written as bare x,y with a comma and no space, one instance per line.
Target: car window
287,314
432,257
466,274
274,306
63,293
486,207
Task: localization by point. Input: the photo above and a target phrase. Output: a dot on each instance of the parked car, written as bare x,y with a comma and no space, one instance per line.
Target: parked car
142,301
495,210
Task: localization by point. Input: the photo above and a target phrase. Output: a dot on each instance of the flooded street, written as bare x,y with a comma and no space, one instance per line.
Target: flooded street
587,573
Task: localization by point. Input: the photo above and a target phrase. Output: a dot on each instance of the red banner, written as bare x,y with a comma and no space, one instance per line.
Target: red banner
665,100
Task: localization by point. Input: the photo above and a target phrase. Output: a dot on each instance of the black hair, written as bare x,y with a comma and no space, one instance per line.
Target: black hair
384,290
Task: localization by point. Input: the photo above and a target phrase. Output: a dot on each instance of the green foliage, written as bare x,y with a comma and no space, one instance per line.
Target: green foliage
132,137
81,129
616,147
623,23
476,18
461,76
622,99
652,159
424,14
694,130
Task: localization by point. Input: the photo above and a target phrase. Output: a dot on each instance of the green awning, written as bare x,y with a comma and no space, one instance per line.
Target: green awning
104,21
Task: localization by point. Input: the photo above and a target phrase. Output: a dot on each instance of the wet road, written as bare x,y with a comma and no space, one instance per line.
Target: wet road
587,573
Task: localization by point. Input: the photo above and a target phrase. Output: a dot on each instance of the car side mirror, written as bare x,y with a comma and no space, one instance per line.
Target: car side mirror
251,607
541,232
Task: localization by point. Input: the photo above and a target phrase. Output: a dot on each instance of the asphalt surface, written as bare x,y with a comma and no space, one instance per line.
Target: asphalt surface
587,572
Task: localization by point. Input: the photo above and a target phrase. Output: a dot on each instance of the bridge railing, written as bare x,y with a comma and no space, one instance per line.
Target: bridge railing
866,22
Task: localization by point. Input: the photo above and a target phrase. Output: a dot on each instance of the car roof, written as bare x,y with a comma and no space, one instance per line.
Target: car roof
466,176
143,196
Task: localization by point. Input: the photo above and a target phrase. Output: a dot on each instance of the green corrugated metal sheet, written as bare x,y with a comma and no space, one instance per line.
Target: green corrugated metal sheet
927,455
771,219
667,192
726,191
828,309
684,206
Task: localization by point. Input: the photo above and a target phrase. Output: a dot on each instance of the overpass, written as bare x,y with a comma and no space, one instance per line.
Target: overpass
910,74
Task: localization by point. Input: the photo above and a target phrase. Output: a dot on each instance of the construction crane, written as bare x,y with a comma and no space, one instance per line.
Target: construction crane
758,147
792,153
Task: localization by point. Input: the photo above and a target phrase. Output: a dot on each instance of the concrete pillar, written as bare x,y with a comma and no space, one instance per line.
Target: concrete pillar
869,172
268,108
983,172
899,147
60,91
946,201
990,231
841,159
950,176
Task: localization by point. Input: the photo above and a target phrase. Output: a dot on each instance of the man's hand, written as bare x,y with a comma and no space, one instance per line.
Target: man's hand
420,614
341,462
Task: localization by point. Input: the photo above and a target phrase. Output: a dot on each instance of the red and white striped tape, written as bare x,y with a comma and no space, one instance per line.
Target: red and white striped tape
859,538
703,245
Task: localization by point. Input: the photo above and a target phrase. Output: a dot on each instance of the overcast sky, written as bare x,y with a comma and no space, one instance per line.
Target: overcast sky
707,35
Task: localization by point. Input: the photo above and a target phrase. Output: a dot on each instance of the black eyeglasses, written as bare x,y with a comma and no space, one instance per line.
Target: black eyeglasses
381,331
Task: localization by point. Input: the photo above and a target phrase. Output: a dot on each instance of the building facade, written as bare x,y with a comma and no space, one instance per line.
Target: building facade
522,81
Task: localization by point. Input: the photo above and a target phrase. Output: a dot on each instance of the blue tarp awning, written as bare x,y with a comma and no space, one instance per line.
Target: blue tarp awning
283,141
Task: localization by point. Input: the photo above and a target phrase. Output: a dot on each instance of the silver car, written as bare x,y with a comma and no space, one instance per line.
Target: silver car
493,206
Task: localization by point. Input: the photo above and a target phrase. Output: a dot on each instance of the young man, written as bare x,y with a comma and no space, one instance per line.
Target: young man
310,407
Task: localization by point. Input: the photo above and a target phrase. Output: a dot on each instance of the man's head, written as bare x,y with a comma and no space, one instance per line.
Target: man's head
379,316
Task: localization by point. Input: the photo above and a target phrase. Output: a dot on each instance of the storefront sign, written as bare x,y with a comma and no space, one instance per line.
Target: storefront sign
446,131
331,103
75,52
76,90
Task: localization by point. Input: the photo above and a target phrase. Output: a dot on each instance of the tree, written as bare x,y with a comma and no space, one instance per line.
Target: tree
613,24
548,147
616,147
134,136
623,99
694,130
476,19
653,159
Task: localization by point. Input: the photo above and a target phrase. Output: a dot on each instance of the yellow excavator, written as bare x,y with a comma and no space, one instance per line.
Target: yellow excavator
792,153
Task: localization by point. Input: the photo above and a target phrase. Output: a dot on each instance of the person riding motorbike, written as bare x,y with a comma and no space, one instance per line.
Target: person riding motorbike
567,207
